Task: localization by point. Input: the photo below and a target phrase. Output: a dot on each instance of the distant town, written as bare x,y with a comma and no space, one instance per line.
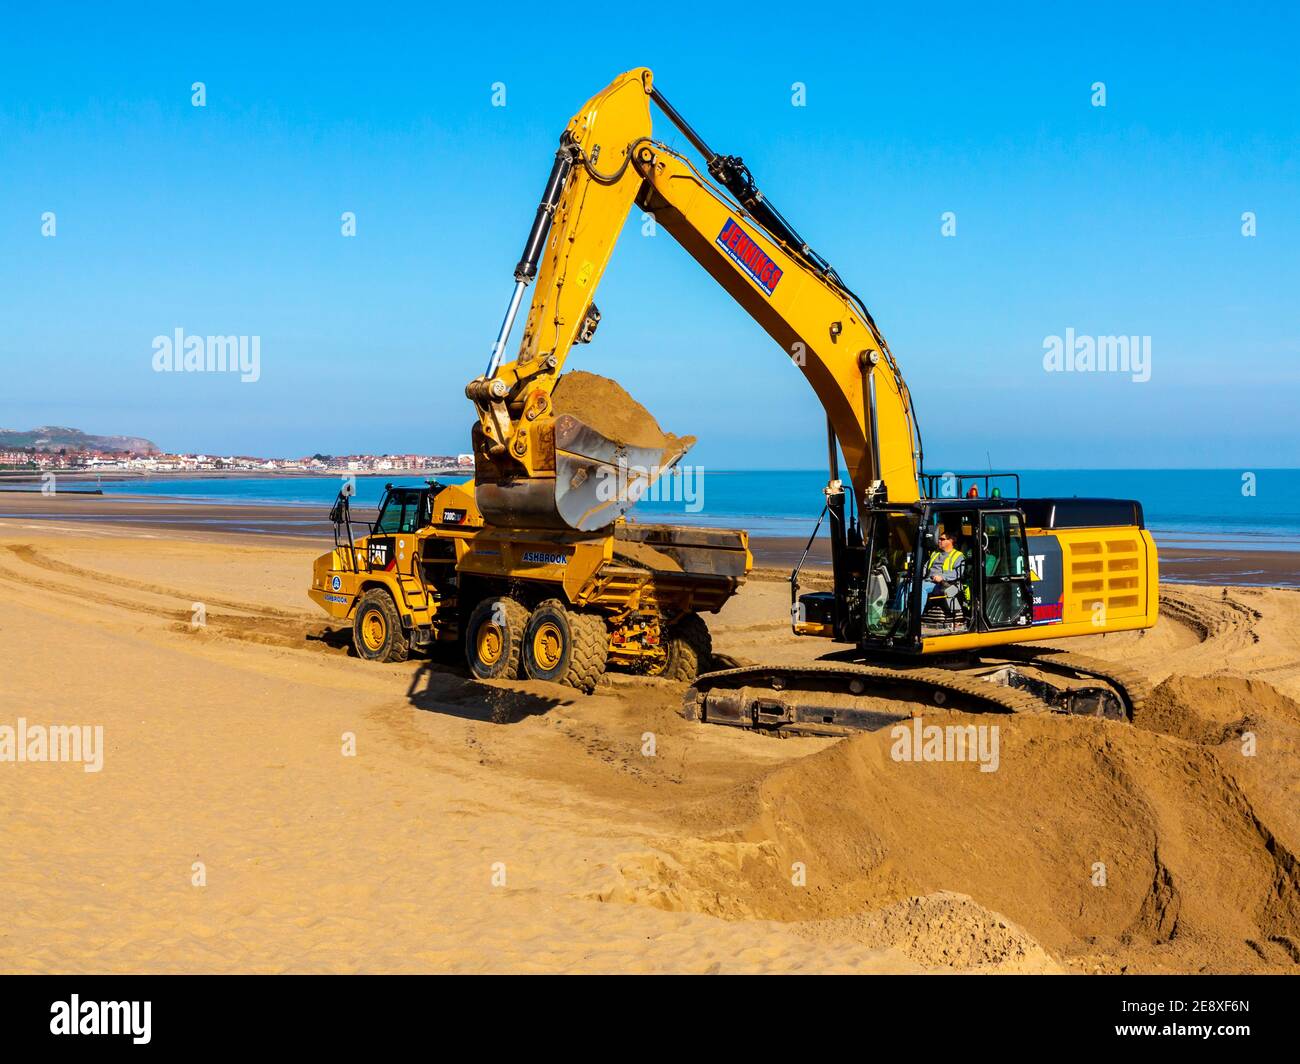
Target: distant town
66,460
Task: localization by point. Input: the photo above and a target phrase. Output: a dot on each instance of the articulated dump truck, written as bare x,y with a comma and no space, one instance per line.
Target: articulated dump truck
551,604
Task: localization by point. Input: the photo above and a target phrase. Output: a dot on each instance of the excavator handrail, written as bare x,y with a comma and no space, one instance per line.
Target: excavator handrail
931,481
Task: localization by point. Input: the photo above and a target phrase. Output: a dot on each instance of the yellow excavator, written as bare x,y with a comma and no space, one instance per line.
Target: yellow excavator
943,583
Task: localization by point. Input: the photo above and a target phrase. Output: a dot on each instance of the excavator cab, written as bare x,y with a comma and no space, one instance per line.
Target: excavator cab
987,578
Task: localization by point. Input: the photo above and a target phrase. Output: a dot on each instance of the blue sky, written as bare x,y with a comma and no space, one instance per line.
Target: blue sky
225,219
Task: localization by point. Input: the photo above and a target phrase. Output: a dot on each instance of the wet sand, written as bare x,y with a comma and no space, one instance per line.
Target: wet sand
1215,564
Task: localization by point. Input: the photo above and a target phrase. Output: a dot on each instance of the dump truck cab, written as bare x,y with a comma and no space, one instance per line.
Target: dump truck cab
394,578
404,511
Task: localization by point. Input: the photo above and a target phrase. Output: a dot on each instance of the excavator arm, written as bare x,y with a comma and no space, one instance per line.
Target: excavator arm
534,467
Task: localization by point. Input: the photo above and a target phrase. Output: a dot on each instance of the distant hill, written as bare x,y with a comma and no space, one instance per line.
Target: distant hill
55,437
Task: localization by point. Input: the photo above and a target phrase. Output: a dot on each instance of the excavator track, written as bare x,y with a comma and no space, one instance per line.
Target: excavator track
837,699
842,698
1132,687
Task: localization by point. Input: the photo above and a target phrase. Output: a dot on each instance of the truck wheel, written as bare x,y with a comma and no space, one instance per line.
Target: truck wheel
377,632
493,638
565,646
688,650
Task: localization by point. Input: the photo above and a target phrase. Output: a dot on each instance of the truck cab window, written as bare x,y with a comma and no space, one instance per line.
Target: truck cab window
400,513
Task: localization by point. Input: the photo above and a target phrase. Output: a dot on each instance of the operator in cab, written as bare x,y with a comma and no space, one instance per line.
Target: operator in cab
943,570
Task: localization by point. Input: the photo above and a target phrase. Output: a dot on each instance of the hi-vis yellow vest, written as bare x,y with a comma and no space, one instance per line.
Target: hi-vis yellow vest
949,564
949,561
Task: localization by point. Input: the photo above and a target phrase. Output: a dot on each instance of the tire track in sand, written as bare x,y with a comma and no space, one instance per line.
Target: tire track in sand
247,622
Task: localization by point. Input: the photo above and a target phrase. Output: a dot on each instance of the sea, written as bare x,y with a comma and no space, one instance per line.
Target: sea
1217,508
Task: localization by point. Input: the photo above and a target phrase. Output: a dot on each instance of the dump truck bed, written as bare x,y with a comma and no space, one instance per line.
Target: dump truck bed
678,549
665,568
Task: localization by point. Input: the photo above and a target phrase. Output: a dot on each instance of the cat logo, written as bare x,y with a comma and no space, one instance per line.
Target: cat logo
1045,576
379,554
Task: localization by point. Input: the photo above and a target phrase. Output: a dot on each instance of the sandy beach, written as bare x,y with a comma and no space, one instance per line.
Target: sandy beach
269,803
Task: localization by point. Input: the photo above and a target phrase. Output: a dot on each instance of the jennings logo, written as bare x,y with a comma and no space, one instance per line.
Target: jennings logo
749,256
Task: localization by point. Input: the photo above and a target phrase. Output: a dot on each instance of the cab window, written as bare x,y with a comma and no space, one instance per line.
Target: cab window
961,525
1007,596
890,574
401,513
1004,545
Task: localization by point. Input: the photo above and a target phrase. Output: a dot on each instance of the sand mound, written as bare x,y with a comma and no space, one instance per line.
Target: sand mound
1213,709
944,930
1124,843
940,930
605,406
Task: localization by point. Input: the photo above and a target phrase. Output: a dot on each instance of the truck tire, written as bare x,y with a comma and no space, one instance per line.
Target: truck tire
566,646
494,637
377,633
689,649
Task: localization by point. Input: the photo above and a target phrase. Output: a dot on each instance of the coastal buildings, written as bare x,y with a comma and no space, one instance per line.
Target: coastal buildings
107,462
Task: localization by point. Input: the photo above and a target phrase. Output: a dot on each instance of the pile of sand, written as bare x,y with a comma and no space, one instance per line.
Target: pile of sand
604,405
1213,709
1097,838
943,930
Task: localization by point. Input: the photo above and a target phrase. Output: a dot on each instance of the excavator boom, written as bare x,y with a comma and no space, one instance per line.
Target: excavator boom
527,459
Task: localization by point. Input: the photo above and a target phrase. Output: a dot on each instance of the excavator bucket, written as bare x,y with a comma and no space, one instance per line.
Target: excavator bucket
609,450
598,479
